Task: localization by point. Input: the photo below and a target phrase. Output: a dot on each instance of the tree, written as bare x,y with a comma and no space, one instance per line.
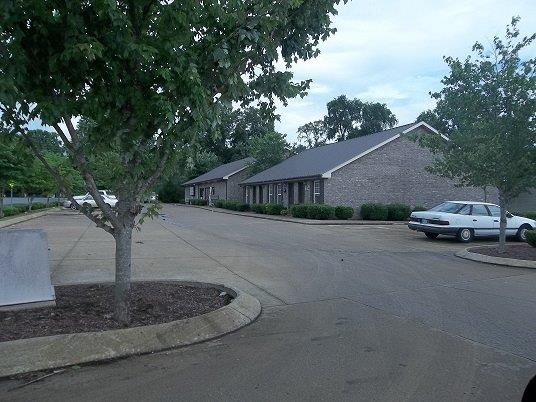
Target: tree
440,123
47,141
313,134
489,106
351,118
10,165
268,150
151,75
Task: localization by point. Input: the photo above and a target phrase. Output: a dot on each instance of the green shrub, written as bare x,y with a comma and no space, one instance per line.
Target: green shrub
38,205
299,210
259,208
20,208
398,212
273,209
374,212
219,203
418,208
10,211
284,212
343,212
531,237
198,201
242,207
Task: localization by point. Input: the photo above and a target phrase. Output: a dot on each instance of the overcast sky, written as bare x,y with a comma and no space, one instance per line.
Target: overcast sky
392,52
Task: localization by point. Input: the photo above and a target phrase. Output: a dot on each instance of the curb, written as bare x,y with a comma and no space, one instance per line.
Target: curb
26,217
49,352
509,262
294,220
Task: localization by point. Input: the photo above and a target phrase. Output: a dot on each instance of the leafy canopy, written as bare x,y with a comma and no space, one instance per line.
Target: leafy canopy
488,107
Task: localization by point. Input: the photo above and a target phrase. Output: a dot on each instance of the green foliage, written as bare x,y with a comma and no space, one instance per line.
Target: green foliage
197,201
531,237
487,105
273,209
374,212
299,210
343,212
398,212
258,208
350,118
47,142
268,150
312,134
312,211
284,212
232,205
170,191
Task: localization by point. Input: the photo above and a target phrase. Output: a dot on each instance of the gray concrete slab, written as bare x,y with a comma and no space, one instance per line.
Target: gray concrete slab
350,313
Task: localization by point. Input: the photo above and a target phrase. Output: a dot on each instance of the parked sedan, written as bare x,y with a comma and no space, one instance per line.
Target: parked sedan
466,220
68,203
88,201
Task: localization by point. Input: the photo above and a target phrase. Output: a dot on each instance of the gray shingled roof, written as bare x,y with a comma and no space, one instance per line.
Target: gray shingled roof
316,161
221,171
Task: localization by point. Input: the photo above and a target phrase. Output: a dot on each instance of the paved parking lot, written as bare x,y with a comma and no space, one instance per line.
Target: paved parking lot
349,313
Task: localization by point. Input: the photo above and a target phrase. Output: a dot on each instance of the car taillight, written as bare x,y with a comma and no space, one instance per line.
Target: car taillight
438,222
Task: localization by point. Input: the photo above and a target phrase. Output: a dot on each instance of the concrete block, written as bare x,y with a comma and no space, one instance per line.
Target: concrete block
24,268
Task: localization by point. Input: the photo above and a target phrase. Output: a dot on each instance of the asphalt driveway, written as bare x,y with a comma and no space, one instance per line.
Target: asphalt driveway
349,313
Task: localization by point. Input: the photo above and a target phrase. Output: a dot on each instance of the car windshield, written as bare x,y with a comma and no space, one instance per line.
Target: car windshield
450,207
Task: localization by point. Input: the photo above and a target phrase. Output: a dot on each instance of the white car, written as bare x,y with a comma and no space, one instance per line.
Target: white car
68,203
466,220
88,201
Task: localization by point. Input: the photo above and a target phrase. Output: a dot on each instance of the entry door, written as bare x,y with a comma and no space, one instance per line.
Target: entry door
290,189
300,192
482,221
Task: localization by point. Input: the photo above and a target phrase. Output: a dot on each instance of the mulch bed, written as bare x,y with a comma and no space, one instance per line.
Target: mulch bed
518,251
89,308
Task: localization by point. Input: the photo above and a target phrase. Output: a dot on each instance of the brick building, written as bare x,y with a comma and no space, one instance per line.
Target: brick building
221,183
382,167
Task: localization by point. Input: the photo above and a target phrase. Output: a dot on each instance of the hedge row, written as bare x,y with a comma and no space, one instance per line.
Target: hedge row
20,208
387,212
197,201
531,237
232,205
268,209
321,211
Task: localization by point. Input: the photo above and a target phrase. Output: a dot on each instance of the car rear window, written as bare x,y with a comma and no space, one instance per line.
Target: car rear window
449,207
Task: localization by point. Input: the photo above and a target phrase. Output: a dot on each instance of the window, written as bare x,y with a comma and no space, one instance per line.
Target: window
480,210
466,210
279,195
247,194
495,211
192,191
316,191
212,190
270,193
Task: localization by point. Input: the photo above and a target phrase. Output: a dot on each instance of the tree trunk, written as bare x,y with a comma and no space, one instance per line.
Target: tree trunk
123,269
503,222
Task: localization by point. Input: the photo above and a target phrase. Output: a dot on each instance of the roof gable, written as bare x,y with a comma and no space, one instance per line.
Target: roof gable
222,172
322,161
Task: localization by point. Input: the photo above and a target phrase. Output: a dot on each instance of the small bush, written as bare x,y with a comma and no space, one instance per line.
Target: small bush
273,209
38,205
259,208
284,212
198,201
10,211
531,237
398,212
343,212
219,203
418,208
20,208
374,212
299,210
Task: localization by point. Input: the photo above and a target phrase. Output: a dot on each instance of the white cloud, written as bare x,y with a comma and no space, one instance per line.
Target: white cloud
392,52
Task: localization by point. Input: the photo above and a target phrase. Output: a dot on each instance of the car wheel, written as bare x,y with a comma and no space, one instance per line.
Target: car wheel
432,236
73,206
522,232
465,235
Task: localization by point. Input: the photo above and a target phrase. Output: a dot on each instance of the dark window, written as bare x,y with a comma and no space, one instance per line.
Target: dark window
494,210
466,210
480,210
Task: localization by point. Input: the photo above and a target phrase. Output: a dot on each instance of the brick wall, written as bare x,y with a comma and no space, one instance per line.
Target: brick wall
395,173
234,191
